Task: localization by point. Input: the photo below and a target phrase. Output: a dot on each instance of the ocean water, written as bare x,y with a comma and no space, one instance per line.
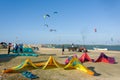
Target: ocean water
91,47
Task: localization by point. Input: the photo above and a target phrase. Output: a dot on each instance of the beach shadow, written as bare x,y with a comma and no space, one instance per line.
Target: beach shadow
95,73
63,56
27,68
116,63
47,54
70,53
6,57
40,61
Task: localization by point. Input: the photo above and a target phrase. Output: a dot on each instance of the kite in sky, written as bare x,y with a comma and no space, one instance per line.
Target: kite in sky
51,30
47,15
46,25
95,30
112,39
55,12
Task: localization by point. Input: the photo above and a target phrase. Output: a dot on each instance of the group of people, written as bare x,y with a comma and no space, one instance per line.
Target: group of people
74,48
15,48
63,48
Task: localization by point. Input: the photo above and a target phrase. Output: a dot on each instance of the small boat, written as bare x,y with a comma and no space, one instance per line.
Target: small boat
105,49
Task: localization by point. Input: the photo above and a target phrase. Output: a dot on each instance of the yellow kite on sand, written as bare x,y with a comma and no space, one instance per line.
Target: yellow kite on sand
51,63
24,64
75,63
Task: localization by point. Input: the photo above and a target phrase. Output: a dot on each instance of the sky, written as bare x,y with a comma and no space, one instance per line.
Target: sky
75,21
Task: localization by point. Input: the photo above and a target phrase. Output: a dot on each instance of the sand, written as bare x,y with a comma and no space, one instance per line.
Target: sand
103,71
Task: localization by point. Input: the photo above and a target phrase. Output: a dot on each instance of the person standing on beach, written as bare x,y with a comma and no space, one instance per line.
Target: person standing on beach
72,45
62,49
14,44
18,50
21,48
9,48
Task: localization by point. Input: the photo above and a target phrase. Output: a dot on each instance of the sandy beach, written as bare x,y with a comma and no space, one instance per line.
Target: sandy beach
103,71
46,38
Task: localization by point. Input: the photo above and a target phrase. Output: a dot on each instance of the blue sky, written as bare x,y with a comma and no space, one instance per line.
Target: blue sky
22,21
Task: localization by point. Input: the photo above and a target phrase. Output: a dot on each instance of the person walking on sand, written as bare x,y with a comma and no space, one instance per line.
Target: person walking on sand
62,49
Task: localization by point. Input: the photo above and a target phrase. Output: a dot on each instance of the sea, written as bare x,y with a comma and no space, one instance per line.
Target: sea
91,47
